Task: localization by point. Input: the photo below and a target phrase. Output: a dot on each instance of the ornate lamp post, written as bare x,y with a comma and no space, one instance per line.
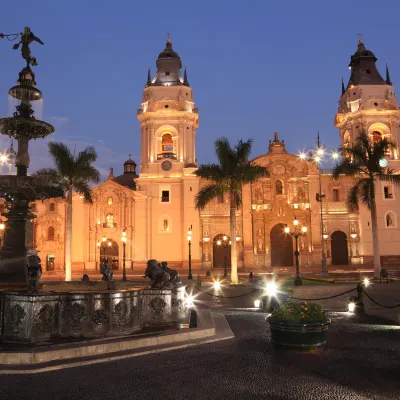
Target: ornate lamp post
296,233
123,239
224,243
189,238
317,156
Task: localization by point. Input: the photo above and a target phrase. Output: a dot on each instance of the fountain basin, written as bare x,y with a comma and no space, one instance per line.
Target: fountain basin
44,317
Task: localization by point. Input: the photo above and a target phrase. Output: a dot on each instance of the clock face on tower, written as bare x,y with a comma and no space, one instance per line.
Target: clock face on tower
383,163
166,165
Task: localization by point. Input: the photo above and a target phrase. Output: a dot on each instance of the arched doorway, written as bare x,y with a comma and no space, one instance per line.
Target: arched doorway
221,251
281,247
112,253
340,254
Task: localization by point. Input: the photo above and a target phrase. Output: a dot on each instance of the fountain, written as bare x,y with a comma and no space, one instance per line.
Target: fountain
19,190
30,316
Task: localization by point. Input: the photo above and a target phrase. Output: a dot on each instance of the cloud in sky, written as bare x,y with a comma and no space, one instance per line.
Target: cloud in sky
58,120
39,156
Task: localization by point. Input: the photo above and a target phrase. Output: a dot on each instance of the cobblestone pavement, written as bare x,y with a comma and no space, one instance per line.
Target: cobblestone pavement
359,361
386,294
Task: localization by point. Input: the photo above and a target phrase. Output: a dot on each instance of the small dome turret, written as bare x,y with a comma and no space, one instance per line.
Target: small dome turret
169,65
129,175
363,68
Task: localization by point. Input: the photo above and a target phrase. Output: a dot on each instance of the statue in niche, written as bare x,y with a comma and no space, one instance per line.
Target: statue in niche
389,220
260,244
259,231
165,226
259,195
300,195
206,231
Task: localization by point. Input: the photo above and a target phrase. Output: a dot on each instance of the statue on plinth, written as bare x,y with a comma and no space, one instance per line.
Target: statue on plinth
34,268
107,272
174,274
160,279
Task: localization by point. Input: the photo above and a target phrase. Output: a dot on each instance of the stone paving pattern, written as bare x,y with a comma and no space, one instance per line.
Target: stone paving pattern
361,360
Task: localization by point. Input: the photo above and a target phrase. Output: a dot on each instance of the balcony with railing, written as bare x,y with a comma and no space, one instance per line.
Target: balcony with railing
109,225
166,154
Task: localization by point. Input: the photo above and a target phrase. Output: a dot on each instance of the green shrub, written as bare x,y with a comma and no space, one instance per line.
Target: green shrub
299,312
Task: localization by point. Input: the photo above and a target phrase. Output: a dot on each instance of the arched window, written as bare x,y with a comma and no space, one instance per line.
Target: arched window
390,220
50,233
110,201
110,221
278,187
52,207
167,144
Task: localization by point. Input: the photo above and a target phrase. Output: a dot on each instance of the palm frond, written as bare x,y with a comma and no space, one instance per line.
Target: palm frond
247,173
346,167
225,154
62,157
210,171
87,173
206,194
84,189
360,191
390,176
352,198
86,157
243,150
49,172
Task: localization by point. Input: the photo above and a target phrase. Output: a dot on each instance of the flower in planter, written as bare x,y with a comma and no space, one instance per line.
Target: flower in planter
303,311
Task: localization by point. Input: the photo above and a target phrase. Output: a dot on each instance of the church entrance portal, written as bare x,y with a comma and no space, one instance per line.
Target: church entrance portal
221,252
111,253
340,255
281,247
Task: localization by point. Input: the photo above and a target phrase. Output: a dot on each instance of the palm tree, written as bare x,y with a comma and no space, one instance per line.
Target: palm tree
363,161
74,172
228,176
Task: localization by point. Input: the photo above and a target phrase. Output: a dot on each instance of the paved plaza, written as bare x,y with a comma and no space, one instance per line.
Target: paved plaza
361,360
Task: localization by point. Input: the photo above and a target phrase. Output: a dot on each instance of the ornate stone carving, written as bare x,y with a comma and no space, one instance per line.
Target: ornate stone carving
279,169
44,318
100,316
74,314
17,314
121,316
157,308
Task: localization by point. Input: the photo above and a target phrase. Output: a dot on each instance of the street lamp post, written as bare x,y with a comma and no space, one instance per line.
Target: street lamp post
124,254
317,155
189,238
296,233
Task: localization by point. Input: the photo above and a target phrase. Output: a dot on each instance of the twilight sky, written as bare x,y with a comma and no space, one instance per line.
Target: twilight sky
255,67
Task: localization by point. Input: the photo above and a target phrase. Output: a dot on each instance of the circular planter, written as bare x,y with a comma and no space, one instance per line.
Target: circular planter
298,334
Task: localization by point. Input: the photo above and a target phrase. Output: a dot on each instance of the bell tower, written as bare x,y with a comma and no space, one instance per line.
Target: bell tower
168,119
368,104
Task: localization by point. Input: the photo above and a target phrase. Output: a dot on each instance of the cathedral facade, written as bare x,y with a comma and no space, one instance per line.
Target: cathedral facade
155,209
